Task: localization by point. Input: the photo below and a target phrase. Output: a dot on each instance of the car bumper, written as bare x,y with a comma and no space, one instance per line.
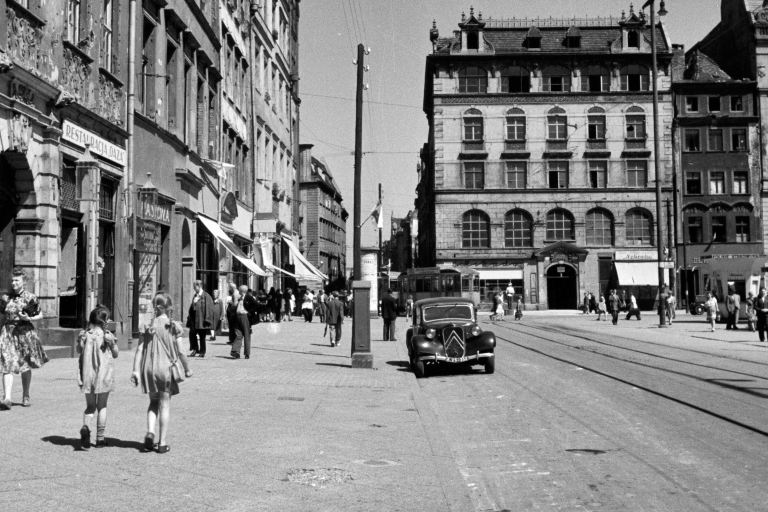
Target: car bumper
457,360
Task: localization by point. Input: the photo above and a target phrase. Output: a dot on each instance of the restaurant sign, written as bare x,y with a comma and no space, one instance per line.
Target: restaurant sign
98,146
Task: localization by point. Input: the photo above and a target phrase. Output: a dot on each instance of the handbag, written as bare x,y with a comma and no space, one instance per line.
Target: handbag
177,369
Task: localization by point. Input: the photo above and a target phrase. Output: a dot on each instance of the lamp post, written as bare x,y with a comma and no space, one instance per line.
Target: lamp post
656,149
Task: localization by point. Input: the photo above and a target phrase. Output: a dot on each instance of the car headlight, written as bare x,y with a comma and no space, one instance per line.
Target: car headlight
430,334
476,330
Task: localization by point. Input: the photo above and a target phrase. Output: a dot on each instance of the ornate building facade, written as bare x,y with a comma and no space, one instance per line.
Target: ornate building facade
539,168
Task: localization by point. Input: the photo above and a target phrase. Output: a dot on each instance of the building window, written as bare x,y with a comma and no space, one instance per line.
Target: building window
475,230
634,77
518,229
558,174
534,39
598,174
695,230
636,126
171,78
557,79
106,36
693,183
713,102
516,129
637,173
515,79
516,175
740,179
558,127
633,39
596,127
73,21
595,79
473,80
717,183
559,225
573,38
473,129
107,200
742,229
474,176
692,140
638,226
739,139
737,104
692,104
599,227
719,233
473,41
715,140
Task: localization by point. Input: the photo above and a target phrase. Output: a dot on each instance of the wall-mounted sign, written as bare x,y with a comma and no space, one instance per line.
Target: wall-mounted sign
148,237
99,146
556,256
636,256
157,212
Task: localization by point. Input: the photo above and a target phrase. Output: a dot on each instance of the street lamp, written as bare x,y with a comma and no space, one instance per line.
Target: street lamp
656,149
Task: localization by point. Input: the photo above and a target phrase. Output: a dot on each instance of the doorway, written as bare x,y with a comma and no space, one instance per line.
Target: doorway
72,274
562,291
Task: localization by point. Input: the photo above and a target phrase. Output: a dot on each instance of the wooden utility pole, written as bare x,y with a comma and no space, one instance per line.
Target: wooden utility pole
381,256
358,217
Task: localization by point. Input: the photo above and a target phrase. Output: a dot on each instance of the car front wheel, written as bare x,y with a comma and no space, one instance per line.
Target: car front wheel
418,368
490,364
699,309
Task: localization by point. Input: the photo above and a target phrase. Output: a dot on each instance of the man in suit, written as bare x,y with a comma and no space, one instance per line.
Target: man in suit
761,308
614,304
246,309
389,314
200,319
334,317
733,305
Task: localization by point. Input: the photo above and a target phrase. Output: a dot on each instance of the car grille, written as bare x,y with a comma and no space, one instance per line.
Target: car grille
453,341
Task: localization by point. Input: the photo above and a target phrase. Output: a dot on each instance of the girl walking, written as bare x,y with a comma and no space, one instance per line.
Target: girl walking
602,309
156,367
97,348
711,305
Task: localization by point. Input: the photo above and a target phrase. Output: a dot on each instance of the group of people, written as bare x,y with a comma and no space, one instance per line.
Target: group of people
616,304
756,309
507,297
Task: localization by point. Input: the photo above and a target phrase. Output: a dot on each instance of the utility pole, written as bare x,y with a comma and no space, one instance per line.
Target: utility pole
381,256
358,217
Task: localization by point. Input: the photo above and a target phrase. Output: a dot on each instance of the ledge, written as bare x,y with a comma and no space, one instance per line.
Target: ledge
80,53
188,177
479,155
111,77
516,155
591,153
26,12
554,155
643,153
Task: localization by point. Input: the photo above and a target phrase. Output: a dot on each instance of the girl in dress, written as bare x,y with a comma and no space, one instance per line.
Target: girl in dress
711,306
160,347
20,347
97,348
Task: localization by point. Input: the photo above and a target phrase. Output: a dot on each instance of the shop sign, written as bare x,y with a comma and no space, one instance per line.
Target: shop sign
556,256
159,211
636,256
731,256
99,146
148,237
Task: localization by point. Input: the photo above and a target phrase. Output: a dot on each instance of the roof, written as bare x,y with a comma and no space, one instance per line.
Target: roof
701,68
444,300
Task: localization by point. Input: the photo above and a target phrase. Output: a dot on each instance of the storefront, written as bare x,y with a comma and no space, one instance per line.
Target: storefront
637,273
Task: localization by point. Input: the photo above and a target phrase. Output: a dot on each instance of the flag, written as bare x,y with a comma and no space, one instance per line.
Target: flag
376,214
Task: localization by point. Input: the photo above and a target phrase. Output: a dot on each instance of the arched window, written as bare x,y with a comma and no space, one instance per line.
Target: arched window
573,38
557,124
534,39
638,224
515,79
516,125
599,227
636,123
634,77
595,79
473,80
476,230
518,229
473,125
560,225
556,79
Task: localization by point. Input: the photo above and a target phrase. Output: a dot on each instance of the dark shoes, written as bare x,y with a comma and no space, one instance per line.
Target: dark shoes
163,449
235,355
5,405
201,355
193,353
101,443
149,443
85,437
247,357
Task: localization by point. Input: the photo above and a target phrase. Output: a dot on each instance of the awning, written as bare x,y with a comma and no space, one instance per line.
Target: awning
222,237
637,273
303,267
278,269
500,275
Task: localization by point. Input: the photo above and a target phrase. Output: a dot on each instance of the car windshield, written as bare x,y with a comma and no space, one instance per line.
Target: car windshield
447,311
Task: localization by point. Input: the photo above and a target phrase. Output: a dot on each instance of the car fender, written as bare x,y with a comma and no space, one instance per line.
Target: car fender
483,342
421,345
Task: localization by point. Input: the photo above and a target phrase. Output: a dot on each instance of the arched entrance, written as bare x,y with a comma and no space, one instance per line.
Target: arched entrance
562,291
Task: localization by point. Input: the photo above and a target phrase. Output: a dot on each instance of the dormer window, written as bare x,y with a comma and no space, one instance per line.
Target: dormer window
633,39
473,41
534,39
573,38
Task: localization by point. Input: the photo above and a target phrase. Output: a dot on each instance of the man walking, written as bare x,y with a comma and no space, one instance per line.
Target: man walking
614,304
389,314
199,320
246,306
334,317
633,309
732,304
761,308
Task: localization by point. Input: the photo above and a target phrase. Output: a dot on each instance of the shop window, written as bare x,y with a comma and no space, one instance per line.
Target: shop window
742,229
719,231
693,183
476,230
695,230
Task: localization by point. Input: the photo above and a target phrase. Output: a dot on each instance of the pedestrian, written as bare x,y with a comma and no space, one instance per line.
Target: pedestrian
510,293
290,304
761,309
633,309
321,299
199,320
409,307
592,303
499,311
232,301
585,304
96,374
602,309
20,347
389,315
307,305
614,305
245,311
218,314
271,305
334,318
278,311
733,305
519,309
156,367
711,305
262,309
671,305
751,314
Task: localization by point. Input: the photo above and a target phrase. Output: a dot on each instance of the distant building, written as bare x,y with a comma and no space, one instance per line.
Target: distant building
322,219
400,249
539,168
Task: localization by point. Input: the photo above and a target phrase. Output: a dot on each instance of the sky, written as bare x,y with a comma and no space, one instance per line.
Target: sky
395,127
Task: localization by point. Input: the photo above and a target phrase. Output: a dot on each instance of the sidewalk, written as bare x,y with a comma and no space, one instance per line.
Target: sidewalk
292,429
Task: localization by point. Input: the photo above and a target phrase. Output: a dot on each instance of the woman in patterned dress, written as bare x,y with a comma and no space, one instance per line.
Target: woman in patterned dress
20,347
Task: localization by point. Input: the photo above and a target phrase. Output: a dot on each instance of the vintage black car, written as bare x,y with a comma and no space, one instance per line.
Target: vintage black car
445,330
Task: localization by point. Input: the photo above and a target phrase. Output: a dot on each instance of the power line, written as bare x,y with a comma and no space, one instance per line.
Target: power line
352,99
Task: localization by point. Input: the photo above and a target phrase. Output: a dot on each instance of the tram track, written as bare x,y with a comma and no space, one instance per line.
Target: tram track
634,382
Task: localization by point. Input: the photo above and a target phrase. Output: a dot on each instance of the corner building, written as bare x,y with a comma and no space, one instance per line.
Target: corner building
539,168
